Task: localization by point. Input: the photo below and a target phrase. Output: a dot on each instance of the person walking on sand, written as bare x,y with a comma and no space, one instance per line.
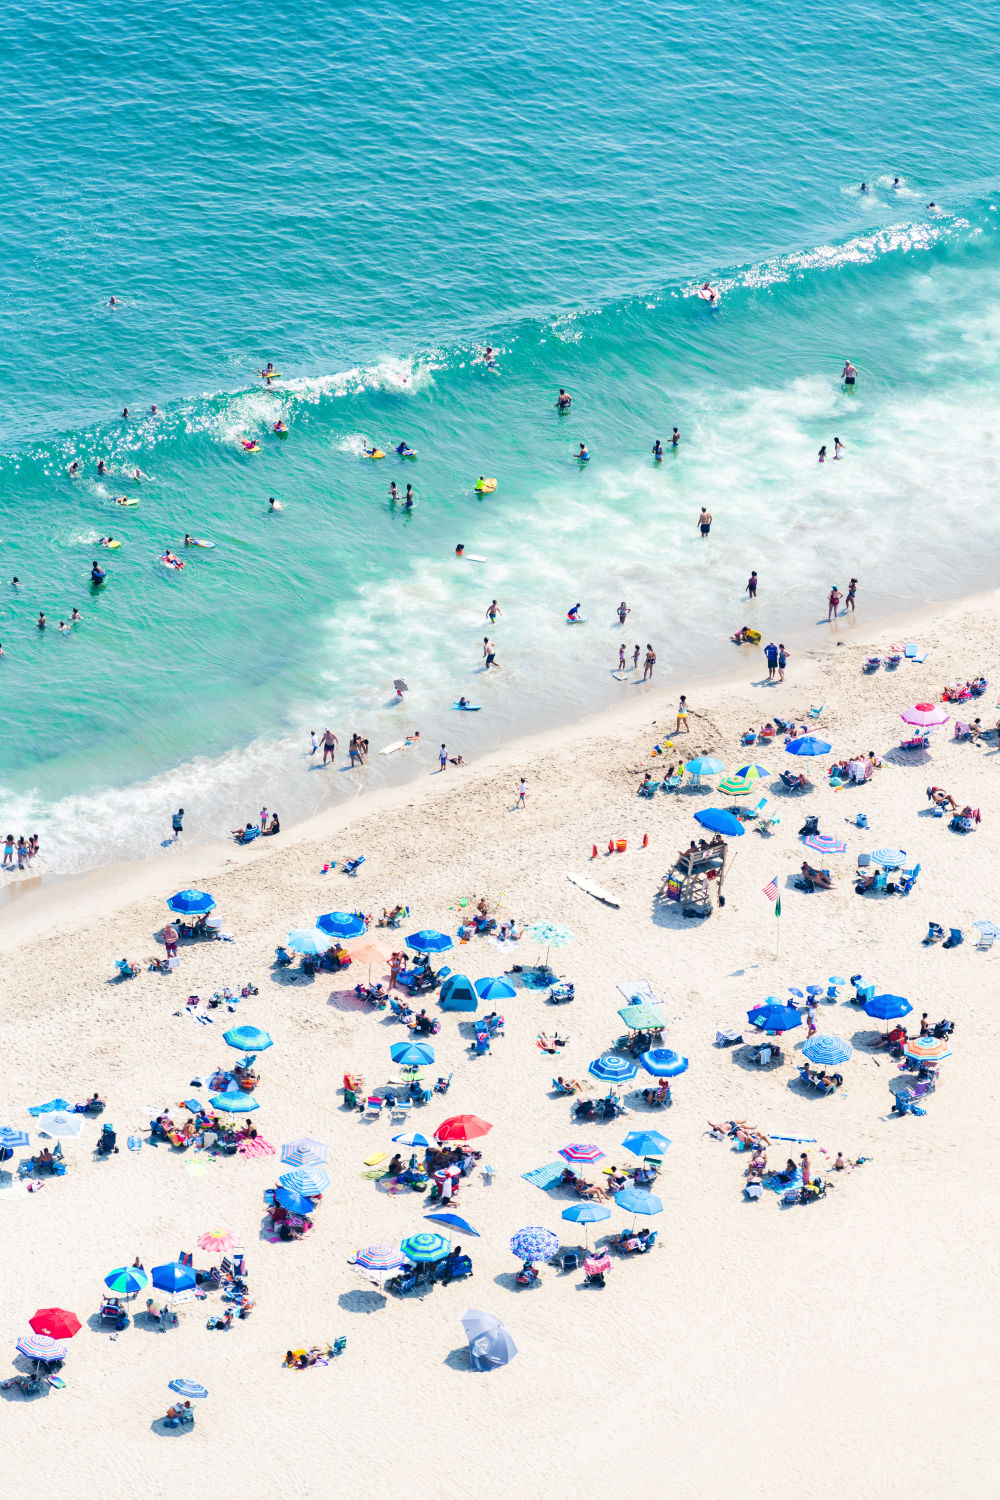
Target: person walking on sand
330,743
522,792
489,652
752,584
833,602
682,716
177,823
811,1018
782,661
649,664
705,521
852,589
443,758
493,611
771,657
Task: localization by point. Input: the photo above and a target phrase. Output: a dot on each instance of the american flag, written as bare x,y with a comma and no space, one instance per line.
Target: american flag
771,889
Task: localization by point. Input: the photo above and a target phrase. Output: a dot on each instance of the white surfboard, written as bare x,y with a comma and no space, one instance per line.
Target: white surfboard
396,745
592,889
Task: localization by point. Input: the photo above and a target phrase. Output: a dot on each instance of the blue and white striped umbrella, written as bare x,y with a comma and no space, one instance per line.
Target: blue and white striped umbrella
893,859
40,1346
421,1247
827,1050
661,1062
379,1258
305,1152
306,1180
9,1136
411,1138
534,1243
189,1389
613,1068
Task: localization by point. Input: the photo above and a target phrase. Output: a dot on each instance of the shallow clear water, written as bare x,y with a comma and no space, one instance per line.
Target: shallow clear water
370,197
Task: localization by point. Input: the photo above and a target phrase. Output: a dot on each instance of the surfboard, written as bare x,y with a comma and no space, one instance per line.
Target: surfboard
391,749
592,889
122,500
622,673
471,557
199,541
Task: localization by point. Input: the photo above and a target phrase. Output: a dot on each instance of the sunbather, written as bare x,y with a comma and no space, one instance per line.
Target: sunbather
792,781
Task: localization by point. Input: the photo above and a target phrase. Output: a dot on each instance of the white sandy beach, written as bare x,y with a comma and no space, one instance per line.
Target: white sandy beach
847,1345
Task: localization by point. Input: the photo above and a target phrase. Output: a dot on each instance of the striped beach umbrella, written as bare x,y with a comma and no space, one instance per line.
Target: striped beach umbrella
247,1038
40,1346
825,843
925,715
13,1138
534,1243
305,1152
661,1062
827,1050
579,1152
307,1180
379,1258
736,786
613,1068
189,1389
424,1247
126,1280
752,772
926,1049
893,859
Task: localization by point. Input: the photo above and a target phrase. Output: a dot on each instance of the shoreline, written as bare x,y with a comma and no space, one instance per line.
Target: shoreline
41,904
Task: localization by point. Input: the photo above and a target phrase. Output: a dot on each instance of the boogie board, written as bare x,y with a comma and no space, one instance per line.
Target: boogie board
199,541
377,453
485,486
592,889
577,620
124,500
167,563
467,708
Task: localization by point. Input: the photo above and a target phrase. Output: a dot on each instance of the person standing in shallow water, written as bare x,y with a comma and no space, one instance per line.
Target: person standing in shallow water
852,589
705,521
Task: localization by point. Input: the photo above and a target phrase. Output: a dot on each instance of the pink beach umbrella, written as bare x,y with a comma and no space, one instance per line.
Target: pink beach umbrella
925,715
216,1240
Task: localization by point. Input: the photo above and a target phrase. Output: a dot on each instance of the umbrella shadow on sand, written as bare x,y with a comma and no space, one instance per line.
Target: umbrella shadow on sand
162,1428
346,1000
361,1301
458,1359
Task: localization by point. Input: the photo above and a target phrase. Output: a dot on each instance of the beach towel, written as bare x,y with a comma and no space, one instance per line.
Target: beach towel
47,1109
545,1177
774,1184
255,1147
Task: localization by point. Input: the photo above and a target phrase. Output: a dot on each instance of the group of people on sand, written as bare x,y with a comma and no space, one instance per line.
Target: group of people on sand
22,849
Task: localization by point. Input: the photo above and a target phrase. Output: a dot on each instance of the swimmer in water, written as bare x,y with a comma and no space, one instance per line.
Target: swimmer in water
393,492
409,502
269,371
369,452
249,444
96,572
459,550
273,505
584,454
112,301
125,414
74,467
153,412
493,611
564,400
488,357
15,582
189,541
279,426
462,702
75,616
838,447
848,374
102,467
41,622
623,610
105,541
713,295
168,557
657,449
139,475
675,440
864,187
822,454
63,626
896,182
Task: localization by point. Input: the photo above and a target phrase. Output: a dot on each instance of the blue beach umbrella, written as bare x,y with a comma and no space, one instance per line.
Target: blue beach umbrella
704,765
718,820
412,1138
235,1102
296,1203
586,1213
173,1277
645,1143
425,1247
891,858
247,1038
429,941
827,1050
191,903
412,1054
807,744
341,924
775,1017
305,1152
454,1221
308,940
661,1062
13,1138
638,1201
495,989
189,1389
534,1243
887,1007
126,1280
307,1180
613,1068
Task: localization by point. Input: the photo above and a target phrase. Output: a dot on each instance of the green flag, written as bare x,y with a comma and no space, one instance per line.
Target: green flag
777,907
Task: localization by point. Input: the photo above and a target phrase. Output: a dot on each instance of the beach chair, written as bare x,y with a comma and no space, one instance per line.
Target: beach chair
907,880
748,813
649,789
955,936
728,1038
905,1104
871,663
443,1084
561,1088
671,783
814,713
893,656
570,1260
373,1107
915,742
768,825
339,1345
400,1109
985,942
481,1044
353,865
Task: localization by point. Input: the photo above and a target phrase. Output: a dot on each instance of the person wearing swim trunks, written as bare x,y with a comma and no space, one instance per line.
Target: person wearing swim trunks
564,400
574,613
705,521
493,611
489,653
675,439
460,549
329,743
771,657
409,502
682,716
848,374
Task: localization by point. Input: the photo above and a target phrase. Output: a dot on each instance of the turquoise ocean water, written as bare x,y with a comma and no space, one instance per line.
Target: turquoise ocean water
369,197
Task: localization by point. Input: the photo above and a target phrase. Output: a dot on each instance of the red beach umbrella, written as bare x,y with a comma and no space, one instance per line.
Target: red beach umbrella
462,1128
55,1322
